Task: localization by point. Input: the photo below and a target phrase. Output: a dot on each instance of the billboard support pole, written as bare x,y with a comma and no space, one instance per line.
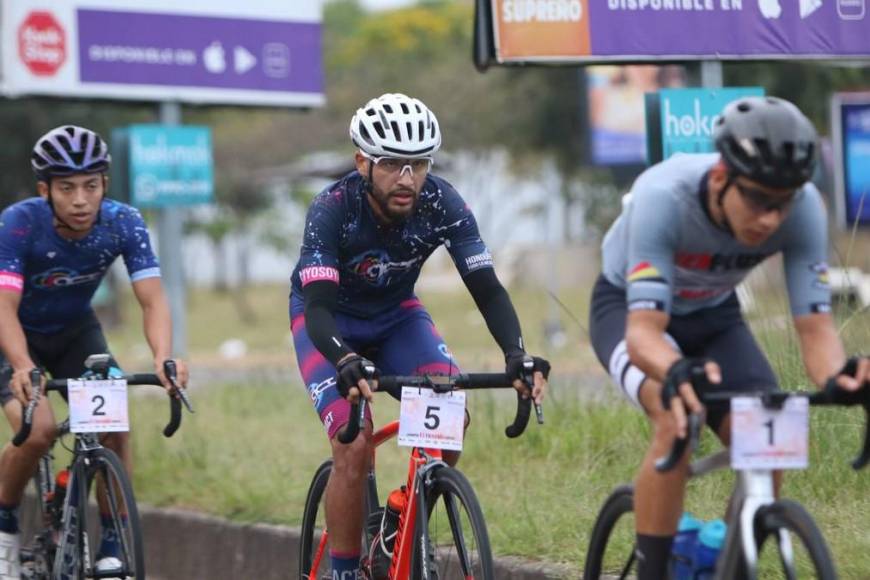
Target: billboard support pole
170,228
711,74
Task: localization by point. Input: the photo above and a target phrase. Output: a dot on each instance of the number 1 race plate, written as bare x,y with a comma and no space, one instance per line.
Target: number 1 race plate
430,419
98,406
769,438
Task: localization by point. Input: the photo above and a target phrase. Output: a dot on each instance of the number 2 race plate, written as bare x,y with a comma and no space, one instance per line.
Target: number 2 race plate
98,406
430,419
767,438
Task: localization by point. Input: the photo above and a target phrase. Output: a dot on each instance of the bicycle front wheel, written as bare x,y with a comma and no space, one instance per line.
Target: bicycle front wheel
111,538
800,548
314,563
612,545
459,543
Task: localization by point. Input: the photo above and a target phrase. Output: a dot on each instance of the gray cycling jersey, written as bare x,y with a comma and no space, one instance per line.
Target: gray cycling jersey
669,255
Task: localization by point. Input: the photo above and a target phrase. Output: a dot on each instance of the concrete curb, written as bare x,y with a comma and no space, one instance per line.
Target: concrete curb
181,544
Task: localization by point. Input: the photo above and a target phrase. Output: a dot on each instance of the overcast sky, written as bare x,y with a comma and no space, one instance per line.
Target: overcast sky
381,4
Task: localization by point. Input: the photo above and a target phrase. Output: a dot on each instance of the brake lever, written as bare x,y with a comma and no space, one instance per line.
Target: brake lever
171,371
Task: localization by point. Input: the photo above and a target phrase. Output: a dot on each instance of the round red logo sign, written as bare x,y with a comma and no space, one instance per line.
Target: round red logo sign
41,43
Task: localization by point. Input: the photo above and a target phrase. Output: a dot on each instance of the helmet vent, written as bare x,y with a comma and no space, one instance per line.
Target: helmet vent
396,134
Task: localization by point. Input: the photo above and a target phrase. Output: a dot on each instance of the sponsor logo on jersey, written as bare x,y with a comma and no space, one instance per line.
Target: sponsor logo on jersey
718,262
62,277
317,390
315,273
375,266
823,280
646,305
478,261
644,271
820,308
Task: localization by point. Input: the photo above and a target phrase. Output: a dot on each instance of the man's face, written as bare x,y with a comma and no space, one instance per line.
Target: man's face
755,211
396,184
76,199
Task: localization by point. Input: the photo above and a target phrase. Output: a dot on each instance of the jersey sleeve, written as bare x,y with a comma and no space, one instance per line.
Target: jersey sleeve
318,258
805,255
137,251
16,230
461,234
651,246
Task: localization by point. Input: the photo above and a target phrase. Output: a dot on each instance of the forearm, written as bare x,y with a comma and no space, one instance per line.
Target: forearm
647,347
320,301
498,311
821,348
13,342
157,323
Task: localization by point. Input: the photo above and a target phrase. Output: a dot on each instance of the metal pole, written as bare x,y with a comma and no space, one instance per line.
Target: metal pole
711,74
170,229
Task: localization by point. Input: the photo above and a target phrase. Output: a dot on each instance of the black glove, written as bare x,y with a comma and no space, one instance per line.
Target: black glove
515,366
843,397
685,370
351,370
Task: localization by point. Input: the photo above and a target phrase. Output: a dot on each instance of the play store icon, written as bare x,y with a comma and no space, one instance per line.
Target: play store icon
809,6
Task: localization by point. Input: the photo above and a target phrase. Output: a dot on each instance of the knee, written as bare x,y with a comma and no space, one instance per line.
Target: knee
41,438
664,429
115,441
351,461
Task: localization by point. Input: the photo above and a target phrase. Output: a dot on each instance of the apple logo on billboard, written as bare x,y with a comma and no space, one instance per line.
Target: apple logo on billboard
214,58
770,9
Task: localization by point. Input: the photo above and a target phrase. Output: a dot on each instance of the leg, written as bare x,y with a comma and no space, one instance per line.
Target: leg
18,464
415,347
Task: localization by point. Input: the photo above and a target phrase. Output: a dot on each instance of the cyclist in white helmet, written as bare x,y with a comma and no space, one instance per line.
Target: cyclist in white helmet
366,238
54,250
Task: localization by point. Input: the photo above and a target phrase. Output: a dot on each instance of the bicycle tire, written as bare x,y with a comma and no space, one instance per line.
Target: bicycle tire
599,563
449,491
311,527
105,470
790,516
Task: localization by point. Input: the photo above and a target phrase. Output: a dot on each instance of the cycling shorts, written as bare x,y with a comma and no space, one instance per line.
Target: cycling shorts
718,332
62,353
402,342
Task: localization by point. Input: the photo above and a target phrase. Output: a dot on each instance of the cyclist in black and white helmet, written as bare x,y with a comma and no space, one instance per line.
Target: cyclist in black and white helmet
366,238
664,310
54,251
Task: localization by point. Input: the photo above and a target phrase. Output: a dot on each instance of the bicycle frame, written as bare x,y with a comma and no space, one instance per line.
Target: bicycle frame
753,490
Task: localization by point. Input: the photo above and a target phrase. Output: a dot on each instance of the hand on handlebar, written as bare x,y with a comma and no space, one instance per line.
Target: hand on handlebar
354,374
854,375
529,373
678,390
21,386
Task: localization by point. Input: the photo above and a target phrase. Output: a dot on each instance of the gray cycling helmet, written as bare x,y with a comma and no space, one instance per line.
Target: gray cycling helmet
68,150
767,140
395,125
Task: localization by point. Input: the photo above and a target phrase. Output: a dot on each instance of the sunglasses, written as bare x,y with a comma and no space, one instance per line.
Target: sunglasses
761,201
418,166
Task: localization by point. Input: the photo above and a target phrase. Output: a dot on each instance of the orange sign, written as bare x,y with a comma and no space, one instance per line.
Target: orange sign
541,28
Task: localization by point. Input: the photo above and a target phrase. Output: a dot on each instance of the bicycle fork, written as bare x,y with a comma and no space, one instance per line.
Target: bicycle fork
755,491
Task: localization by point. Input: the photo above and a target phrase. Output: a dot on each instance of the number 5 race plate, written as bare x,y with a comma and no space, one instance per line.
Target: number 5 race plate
430,419
98,406
769,439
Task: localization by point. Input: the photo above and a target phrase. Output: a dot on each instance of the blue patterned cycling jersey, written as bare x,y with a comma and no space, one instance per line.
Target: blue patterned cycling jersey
58,277
669,255
376,266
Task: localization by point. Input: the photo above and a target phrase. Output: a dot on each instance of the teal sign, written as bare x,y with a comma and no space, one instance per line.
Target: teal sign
687,116
170,165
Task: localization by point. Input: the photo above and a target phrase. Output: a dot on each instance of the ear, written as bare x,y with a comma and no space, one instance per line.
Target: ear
42,188
362,163
105,185
718,176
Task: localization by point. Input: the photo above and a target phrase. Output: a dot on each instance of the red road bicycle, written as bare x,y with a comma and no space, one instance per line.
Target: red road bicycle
441,531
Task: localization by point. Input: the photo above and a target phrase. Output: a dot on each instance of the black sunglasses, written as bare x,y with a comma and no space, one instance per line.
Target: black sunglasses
762,202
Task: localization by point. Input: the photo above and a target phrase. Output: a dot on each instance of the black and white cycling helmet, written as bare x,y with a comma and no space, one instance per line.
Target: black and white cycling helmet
395,125
767,140
68,150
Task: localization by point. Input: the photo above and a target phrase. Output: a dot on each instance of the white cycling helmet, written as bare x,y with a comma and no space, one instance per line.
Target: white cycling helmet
395,125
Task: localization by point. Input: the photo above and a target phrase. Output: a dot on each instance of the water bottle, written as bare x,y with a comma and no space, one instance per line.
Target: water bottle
710,541
60,485
385,539
683,549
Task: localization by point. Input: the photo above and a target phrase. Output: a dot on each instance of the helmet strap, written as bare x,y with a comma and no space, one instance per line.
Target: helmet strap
725,225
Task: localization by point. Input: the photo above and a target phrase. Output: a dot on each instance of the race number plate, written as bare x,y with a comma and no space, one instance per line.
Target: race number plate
429,419
768,438
98,406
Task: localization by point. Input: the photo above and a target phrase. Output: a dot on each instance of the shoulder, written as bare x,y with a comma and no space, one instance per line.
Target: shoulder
340,194
24,213
438,192
119,215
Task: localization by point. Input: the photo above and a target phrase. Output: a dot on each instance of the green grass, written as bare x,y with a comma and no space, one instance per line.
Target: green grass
250,450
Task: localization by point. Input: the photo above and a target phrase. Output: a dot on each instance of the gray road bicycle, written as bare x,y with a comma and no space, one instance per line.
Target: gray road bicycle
59,518
756,518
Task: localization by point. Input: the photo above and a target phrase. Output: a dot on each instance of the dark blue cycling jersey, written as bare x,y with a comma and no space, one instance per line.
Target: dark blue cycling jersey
376,266
58,277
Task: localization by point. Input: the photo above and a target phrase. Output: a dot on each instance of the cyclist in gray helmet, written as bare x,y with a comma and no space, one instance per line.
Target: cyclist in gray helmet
664,309
54,250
